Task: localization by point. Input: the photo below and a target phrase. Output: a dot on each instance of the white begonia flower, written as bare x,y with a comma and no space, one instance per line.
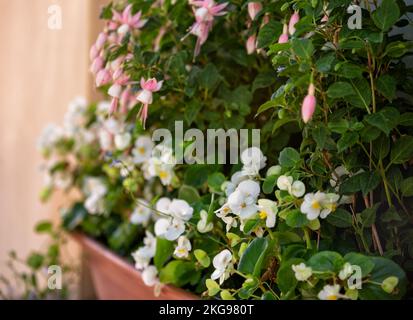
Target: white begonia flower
163,204
222,263
183,248
94,204
142,150
313,204
180,209
142,213
74,117
285,183
94,185
302,272
170,229
62,180
336,175
150,276
230,222
253,160
239,206
143,255
268,211
274,171
223,211
330,292
161,226
329,204
112,126
203,226
236,179
149,168
346,271
297,189
165,174
123,140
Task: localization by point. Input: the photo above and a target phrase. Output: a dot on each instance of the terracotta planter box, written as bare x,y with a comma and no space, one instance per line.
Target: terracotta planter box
116,279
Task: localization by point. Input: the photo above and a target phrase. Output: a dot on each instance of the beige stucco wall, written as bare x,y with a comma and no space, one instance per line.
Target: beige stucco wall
41,71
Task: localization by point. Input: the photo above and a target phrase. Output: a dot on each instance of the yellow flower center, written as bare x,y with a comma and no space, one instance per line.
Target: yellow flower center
226,210
243,205
141,150
182,251
332,297
163,174
315,205
263,214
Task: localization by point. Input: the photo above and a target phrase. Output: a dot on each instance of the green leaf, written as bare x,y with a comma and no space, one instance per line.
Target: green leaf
252,259
286,279
320,135
35,261
215,181
365,263
397,49
350,71
303,48
189,194
248,288
385,120
339,126
44,227
296,219
264,80
164,250
192,109
386,85
406,119
368,216
324,63
213,287
384,268
289,158
269,184
364,182
177,273
74,217
402,150
326,261
347,140
202,257
381,147
362,97
407,187
209,77
268,33
386,15
340,89
340,218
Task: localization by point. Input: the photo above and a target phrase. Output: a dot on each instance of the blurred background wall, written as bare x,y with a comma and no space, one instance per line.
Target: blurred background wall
41,71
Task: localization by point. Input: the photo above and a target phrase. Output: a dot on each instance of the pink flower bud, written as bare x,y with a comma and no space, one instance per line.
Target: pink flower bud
293,20
100,42
251,44
103,77
253,9
97,65
309,104
284,36
325,18
93,53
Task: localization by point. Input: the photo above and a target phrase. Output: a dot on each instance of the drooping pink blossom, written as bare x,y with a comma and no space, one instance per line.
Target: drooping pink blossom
284,36
293,20
125,21
101,40
251,44
309,104
253,9
204,17
93,53
97,65
119,80
145,96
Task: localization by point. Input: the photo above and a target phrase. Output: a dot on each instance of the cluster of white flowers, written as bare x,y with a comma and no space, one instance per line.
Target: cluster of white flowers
50,135
95,190
142,213
294,188
143,257
175,214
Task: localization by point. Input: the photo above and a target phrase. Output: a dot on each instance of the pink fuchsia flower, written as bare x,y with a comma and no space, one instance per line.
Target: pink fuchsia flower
293,20
284,36
251,44
93,53
309,104
204,17
145,96
127,100
253,9
101,40
119,79
97,65
126,21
